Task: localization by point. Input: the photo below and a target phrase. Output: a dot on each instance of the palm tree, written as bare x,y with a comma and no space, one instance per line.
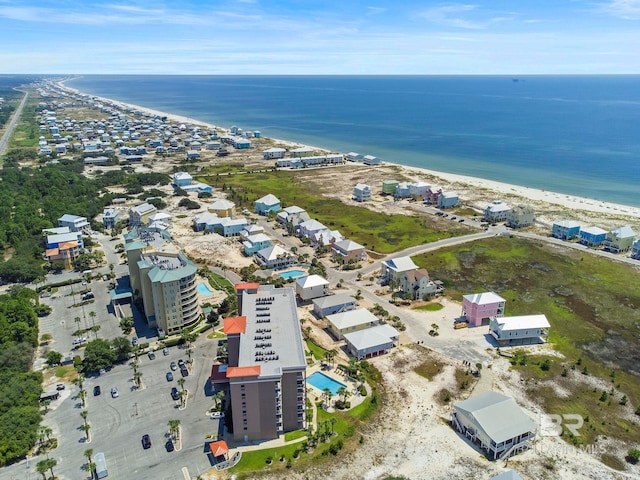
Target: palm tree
182,394
181,383
174,428
90,465
326,394
46,404
78,381
189,352
137,378
85,428
82,395
92,314
95,330
84,414
342,393
333,421
42,466
77,320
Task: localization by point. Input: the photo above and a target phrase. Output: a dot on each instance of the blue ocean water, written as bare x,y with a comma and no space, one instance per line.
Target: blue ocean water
577,135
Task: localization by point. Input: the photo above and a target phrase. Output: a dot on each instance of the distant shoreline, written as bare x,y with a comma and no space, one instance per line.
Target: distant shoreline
572,202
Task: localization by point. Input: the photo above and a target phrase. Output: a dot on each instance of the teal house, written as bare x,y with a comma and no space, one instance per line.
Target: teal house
267,204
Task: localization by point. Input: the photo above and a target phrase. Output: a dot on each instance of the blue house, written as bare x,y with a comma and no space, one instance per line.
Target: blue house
255,243
592,236
566,230
242,143
268,203
181,179
635,250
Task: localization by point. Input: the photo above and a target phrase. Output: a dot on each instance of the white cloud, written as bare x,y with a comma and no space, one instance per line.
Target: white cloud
375,10
451,16
625,9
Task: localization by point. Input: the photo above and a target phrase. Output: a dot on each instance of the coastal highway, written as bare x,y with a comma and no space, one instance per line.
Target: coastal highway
12,123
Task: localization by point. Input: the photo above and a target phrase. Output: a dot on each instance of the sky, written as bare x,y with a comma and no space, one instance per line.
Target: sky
320,37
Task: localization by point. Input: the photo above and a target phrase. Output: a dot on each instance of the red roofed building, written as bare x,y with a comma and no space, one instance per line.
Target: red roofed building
219,449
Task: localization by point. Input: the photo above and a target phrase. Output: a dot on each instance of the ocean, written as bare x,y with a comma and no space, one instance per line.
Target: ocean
577,135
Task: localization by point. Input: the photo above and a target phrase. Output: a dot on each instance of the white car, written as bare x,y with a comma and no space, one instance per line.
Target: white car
114,392
215,415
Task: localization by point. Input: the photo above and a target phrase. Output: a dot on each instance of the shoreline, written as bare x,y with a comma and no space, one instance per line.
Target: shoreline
571,202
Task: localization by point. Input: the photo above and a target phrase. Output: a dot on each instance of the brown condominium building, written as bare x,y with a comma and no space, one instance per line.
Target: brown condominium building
266,369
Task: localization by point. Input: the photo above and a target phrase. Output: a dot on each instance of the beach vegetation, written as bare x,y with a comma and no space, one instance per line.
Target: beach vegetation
591,303
374,230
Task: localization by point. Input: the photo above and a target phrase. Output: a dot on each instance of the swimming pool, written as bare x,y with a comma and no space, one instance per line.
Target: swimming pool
292,274
322,381
203,289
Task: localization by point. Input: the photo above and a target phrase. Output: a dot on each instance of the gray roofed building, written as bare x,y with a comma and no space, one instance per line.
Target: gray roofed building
342,302
350,321
510,475
371,342
495,423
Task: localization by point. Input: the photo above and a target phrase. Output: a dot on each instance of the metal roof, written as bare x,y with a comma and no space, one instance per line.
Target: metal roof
352,318
372,337
497,415
484,298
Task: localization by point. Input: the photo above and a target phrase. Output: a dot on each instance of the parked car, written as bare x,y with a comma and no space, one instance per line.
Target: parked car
134,341
146,441
60,386
165,351
169,377
96,390
184,372
151,355
174,393
114,392
181,363
169,446
215,415
173,366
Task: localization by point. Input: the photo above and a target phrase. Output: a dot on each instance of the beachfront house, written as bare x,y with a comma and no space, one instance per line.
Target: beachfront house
635,250
302,152
519,330
418,189
267,204
273,153
255,243
389,187
371,342
495,212
619,239
223,208
311,286
289,163
403,190
225,226
362,192
392,269
566,230
251,229
479,308
342,302
592,236
351,321
447,200
354,157
74,222
274,257
349,251
495,423
371,160
521,216
241,143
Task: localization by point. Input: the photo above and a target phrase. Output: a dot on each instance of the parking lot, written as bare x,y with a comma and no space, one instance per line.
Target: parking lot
118,424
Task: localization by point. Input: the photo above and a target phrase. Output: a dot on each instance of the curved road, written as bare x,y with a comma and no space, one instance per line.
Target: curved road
12,123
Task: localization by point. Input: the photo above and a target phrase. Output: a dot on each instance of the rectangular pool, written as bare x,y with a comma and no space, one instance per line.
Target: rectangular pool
292,274
322,381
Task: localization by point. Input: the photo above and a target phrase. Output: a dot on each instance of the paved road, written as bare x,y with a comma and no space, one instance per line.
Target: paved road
12,123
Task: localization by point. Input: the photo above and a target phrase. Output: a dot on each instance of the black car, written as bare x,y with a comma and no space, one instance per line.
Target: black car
181,363
169,446
146,441
184,372
96,390
174,393
169,377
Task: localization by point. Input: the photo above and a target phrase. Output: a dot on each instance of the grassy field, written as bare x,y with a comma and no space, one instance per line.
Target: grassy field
26,132
376,231
593,306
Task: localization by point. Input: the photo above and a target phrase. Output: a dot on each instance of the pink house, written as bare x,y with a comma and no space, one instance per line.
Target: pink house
478,308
